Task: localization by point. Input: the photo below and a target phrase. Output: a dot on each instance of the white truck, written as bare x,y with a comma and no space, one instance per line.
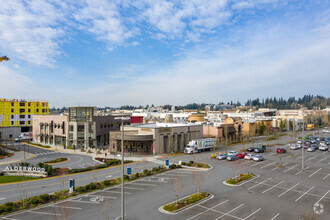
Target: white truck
26,136
199,145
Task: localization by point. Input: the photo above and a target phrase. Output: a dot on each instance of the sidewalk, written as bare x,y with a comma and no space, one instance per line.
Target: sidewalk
111,156
16,158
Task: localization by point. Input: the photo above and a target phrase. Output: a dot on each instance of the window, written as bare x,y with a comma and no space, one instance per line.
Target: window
22,116
101,125
37,110
29,116
70,127
11,123
12,110
29,104
22,123
22,110
29,122
22,104
12,116
29,110
81,128
12,104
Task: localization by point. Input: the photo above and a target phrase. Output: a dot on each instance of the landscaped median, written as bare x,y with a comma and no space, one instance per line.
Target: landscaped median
35,201
239,180
176,206
195,164
58,160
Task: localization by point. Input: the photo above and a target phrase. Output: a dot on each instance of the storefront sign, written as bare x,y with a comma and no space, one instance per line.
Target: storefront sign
26,171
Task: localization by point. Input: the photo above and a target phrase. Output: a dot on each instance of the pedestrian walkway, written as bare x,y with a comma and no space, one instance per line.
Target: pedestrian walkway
16,158
45,153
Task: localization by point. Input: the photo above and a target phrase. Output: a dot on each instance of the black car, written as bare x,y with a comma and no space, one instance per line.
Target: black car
258,150
251,149
315,146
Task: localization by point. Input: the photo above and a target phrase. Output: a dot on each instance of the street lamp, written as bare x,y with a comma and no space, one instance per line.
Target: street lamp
122,165
302,142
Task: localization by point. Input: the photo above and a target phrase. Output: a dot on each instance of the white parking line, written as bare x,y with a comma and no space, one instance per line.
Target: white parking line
322,197
275,216
79,200
259,183
290,168
326,176
311,158
154,181
252,213
230,211
314,172
128,193
257,163
10,218
322,159
303,170
127,187
208,210
273,186
298,158
278,167
213,210
143,184
44,213
268,164
174,174
287,190
65,207
304,193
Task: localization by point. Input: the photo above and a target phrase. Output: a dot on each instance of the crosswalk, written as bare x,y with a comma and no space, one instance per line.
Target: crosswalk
46,153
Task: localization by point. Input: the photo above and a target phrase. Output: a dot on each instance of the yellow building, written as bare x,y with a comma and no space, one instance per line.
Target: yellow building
18,112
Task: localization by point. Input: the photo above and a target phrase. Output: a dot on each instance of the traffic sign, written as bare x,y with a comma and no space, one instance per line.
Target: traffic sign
129,170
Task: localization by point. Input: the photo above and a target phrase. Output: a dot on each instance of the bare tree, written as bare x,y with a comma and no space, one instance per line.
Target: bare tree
236,165
248,165
308,215
177,186
198,179
61,212
280,163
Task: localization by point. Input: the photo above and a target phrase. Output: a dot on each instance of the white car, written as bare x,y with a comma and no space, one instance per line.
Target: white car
299,141
249,157
323,148
295,146
258,158
232,153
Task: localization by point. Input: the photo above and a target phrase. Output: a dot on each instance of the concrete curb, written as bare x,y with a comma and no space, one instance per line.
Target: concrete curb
241,183
197,168
160,209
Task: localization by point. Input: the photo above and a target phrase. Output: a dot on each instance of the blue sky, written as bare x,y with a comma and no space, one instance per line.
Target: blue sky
112,53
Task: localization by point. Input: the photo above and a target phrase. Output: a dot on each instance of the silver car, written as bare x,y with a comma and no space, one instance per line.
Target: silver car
258,158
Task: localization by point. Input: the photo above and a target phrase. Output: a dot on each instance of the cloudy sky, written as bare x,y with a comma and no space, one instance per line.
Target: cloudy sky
117,52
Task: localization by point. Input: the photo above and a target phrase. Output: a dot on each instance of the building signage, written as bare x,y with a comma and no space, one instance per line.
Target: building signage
20,168
163,130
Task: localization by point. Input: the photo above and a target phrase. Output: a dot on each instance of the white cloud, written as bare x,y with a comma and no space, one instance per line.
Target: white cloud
28,31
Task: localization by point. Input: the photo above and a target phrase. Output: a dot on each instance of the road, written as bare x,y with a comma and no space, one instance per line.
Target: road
43,155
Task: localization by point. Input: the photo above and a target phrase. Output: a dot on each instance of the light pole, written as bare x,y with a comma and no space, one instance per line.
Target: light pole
302,148
122,166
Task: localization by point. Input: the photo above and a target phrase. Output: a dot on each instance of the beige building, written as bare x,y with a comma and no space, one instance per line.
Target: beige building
155,138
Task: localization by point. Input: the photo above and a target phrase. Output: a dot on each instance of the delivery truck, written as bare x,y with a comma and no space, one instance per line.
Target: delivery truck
199,145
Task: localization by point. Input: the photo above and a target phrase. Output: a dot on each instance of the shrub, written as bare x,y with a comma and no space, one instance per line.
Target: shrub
91,186
149,173
191,162
106,182
126,177
9,204
169,207
82,150
44,197
35,200
155,169
183,163
145,171
23,207
81,189
137,175
172,166
89,151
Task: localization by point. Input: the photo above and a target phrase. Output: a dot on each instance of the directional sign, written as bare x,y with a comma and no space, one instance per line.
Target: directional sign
167,162
129,170
72,185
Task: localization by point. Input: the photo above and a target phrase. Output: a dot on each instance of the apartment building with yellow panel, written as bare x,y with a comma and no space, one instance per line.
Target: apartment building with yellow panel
16,116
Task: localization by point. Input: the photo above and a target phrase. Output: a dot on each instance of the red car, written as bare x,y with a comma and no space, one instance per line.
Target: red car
241,155
280,150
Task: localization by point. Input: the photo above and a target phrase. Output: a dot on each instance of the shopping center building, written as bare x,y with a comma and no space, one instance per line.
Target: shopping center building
80,128
155,138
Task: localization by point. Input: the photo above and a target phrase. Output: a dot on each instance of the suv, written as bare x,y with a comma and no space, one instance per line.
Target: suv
258,150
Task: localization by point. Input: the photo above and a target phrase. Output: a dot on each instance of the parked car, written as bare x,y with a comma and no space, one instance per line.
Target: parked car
232,157
315,146
310,149
280,150
258,150
258,158
241,155
249,157
251,149
323,148
295,146
232,153
299,141
306,145
222,157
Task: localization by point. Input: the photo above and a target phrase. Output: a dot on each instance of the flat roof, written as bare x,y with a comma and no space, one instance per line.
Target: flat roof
162,125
